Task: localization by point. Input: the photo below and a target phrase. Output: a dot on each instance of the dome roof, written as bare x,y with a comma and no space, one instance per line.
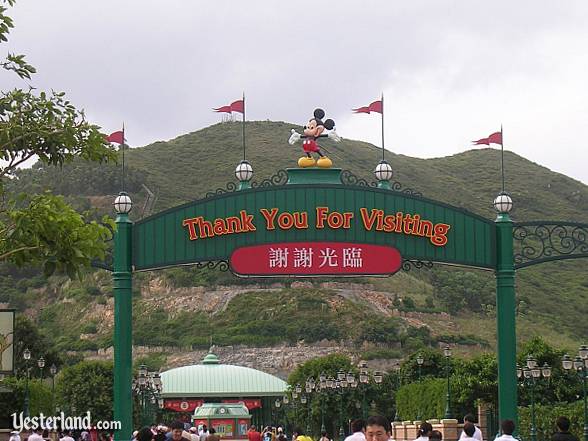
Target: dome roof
212,379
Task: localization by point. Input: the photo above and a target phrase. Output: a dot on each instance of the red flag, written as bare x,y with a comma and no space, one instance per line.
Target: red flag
238,106
376,106
482,141
365,109
235,106
226,109
117,137
495,138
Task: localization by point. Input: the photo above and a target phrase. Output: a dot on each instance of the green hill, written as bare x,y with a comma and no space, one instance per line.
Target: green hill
553,298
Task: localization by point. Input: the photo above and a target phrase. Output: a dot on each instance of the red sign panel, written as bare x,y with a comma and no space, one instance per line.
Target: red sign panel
182,405
315,258
249,404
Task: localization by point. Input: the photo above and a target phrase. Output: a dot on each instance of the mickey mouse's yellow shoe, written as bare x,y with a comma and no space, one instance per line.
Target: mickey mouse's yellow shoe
324,162
305,161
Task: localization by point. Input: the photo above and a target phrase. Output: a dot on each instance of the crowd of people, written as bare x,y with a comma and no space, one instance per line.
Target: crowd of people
376,428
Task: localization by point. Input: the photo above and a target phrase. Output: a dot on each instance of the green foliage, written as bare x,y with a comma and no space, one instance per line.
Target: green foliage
27,335
13,399
545,416
459,290
380,330
154,362
87,386
426,398
47,231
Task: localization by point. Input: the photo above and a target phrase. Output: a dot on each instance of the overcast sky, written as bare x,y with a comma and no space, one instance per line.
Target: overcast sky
451,71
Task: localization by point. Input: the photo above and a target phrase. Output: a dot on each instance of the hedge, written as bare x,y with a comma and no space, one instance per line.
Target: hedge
545,417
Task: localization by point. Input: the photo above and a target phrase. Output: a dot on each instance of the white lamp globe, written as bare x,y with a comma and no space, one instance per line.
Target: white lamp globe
383,171
503,203
122,203
244,171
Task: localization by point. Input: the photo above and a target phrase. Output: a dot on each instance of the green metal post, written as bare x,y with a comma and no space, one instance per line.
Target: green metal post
448,394
123,319
419,404
323,413
341,430
533,422
584,377
505,320
26,397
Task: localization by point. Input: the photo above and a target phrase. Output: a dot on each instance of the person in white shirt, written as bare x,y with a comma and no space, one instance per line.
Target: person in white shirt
507,427
36,435
66,436
358,429
469,418
14,436
468,432
424,431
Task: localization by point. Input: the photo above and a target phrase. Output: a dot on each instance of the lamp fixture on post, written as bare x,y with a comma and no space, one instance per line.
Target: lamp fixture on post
383,173
528,376
244,173
503,202
447,354
420,361
122,203
53,372
41,364
580,366
27,356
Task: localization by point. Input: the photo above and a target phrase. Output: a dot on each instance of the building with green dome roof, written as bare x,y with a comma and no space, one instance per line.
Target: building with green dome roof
188,387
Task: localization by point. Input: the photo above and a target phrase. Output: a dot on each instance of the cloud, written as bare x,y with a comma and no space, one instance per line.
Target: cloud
451,71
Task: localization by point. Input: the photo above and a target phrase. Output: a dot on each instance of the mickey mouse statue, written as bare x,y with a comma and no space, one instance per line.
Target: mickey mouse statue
312,131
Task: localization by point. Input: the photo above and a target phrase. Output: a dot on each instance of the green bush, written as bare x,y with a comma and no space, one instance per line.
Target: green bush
545,417
425,398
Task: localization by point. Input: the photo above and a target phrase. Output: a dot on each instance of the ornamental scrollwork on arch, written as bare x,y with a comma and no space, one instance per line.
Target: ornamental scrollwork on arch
543,241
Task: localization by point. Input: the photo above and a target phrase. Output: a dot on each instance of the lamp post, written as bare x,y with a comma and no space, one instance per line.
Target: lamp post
53,371
27,356
447,354
285,402
420,360
529,375
505,310
365,380
41,364
341,385
123,318
277,405
147,386
310,387
580,365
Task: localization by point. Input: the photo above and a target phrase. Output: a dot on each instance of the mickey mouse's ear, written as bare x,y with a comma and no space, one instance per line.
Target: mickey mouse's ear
329,124
319,113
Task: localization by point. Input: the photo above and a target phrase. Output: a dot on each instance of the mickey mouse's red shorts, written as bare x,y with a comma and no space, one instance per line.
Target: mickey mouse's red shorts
310,145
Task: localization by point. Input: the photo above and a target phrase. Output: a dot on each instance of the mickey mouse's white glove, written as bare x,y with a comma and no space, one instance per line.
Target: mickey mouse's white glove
333,135
294,137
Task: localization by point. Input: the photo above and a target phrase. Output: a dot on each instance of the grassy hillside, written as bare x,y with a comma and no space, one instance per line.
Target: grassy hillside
553,298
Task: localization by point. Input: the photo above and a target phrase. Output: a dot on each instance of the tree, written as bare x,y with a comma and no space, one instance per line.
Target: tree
28,337
88,386
43,229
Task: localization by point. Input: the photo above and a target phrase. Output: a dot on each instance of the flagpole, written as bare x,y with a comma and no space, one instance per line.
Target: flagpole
382,126
123,156
243,126
502,155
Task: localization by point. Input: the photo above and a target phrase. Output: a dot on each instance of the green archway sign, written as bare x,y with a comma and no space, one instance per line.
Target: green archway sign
313,223
211,229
